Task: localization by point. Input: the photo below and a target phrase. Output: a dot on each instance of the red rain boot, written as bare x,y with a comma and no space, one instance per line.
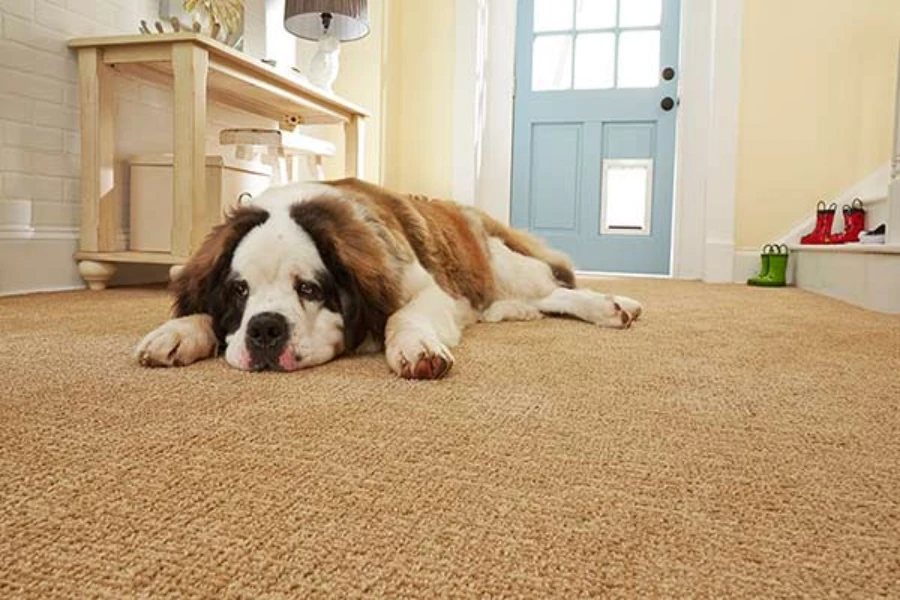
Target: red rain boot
854,224
824,221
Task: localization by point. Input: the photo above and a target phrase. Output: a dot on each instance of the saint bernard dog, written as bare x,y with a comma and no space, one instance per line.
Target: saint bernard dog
309,272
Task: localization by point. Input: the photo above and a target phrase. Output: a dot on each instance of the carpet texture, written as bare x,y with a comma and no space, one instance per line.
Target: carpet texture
735,443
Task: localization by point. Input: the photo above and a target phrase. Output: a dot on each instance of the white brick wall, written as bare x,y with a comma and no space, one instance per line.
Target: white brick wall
39,140
39,137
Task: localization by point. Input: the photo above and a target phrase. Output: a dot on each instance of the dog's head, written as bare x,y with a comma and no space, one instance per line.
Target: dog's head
292,281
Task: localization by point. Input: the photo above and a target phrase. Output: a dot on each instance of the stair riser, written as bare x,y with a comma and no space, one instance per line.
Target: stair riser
871,281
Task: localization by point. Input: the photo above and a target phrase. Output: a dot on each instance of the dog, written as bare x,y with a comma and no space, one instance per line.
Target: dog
308,272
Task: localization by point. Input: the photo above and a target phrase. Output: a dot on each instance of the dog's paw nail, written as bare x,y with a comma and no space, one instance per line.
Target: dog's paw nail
172,357
440,366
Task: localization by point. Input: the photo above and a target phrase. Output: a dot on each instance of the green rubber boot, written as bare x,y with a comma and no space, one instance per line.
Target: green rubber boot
767,252
776,277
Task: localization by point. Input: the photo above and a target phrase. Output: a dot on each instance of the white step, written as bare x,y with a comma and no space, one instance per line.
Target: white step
866,275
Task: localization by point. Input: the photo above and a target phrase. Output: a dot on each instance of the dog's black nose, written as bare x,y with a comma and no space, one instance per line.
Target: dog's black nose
266,334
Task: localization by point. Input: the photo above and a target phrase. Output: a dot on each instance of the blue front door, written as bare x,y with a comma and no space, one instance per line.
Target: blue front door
594,131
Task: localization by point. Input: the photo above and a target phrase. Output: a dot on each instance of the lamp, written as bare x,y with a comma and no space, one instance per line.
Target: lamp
327,22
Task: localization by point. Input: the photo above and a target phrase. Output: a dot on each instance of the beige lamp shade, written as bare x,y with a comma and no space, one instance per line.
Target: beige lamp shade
346,20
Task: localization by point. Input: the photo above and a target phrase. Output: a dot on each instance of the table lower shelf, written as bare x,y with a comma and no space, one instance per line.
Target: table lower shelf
131,256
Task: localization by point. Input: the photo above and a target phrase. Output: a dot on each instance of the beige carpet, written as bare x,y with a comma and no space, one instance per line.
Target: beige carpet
735,443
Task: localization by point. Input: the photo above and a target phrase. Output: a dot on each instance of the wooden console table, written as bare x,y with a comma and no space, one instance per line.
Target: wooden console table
199,69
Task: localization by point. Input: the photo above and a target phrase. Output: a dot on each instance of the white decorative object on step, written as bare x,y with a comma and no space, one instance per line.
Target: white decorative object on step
280,150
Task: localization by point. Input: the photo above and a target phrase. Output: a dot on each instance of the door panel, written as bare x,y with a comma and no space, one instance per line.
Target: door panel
555,155
593,153
629,140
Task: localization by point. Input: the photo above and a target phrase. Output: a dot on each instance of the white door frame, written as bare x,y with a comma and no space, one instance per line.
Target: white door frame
708,121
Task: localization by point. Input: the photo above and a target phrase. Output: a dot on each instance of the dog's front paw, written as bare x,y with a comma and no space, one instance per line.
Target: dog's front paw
413,356
178,342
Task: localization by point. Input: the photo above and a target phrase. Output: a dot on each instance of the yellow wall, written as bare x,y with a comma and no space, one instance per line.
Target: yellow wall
402,73
418,144
361,81
817,106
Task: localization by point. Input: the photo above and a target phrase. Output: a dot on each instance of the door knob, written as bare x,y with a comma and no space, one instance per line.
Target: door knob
667,103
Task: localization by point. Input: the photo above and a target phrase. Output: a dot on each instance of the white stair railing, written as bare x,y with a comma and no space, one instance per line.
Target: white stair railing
893,224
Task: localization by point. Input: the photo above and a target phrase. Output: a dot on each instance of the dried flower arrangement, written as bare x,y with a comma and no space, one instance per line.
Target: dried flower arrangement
222,20
229,13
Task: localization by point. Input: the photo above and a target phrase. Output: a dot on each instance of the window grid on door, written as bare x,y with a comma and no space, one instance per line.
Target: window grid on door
596,44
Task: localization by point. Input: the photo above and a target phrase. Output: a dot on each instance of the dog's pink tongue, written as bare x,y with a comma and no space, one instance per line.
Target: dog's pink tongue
288,361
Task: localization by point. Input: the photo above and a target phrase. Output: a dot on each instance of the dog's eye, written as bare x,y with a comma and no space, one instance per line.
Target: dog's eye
240,288
308,290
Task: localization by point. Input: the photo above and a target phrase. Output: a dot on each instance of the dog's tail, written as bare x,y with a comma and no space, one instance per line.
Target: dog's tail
529,245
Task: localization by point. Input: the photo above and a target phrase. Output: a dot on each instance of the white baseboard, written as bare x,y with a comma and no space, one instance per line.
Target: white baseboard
38,264
719,262
609,275
43,233
16,232
41,260
746,265
49,290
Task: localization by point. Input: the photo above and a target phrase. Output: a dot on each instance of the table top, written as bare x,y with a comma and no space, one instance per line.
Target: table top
231,58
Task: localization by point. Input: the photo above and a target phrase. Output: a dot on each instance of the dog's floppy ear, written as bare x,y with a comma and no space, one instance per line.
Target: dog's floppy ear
196,286
358,260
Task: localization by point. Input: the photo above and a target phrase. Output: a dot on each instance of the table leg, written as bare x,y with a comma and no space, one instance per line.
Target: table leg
96,274
100,196
175,272
355,142
191,222
316,166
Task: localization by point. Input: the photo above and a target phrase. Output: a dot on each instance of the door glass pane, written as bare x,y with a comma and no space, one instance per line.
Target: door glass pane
626,196
595,59
551,63
638,59
553,15
640,13
595,14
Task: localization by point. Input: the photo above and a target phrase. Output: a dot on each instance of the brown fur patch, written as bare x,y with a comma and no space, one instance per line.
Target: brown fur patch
439,234
358,258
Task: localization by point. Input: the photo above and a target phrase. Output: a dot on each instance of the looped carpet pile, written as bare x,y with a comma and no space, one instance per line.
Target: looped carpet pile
734,443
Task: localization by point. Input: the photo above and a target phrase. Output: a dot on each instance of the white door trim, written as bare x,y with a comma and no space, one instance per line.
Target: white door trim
708,122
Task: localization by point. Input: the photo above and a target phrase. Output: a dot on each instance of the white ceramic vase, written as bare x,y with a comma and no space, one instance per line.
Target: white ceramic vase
325,63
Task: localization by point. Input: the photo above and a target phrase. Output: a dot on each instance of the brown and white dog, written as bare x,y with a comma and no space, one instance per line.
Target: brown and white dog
312,271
